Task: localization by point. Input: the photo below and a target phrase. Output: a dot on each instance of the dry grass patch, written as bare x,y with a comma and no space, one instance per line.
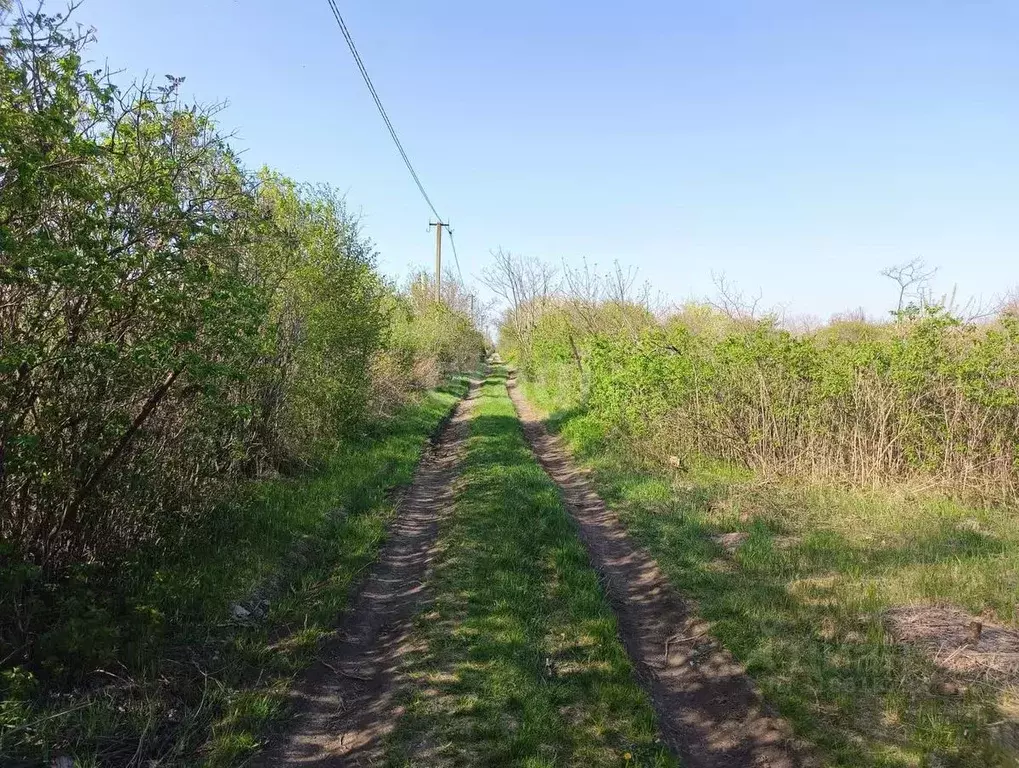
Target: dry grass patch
958,642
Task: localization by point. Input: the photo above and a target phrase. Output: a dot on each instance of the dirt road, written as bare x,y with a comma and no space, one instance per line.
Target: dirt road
708,711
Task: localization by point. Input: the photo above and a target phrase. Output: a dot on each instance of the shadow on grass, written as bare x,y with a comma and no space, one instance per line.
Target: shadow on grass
804,615
150,660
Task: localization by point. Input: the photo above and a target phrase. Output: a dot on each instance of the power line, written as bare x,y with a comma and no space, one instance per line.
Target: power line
382,110
456,258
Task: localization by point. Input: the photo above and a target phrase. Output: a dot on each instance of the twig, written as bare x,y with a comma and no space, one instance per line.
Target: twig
16,651
124,680
141,741
351,675
677,639
955,653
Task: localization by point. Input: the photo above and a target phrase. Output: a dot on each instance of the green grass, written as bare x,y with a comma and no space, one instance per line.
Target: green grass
801,602
519,661
150,662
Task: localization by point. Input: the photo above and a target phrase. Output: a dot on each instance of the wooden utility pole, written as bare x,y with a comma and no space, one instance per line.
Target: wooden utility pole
438,256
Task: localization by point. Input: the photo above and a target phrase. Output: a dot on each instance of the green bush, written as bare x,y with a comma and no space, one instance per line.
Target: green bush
171,325
927,397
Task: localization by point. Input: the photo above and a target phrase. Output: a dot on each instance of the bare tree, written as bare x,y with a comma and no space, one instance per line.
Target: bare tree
732,302
1008,303
801,324
857,315
913,278
526,284
457,296
584,292
620,285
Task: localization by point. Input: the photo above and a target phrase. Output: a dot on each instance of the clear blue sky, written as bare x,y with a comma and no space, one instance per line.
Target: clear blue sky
799,146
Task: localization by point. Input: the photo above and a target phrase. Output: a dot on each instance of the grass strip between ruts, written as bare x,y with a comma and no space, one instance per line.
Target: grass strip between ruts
517,661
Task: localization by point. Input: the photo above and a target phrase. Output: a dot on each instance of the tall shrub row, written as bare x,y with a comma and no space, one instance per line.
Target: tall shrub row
169,322
925,397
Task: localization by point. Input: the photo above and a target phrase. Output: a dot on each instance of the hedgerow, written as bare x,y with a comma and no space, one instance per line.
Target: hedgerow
924,397
171,323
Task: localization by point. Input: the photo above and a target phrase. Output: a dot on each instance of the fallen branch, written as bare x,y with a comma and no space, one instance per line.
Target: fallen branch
677,639
351,675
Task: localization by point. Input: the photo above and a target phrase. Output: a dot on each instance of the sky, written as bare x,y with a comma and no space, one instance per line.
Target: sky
796,146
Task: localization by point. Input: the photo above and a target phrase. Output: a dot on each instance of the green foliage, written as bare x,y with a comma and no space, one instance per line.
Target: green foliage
158,665
437,336
691,421
929,397
324,320
802,601
172,326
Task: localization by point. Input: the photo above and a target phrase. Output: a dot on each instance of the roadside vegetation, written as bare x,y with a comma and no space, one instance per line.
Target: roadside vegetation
210,397
518,660
187,656
808,489
206,391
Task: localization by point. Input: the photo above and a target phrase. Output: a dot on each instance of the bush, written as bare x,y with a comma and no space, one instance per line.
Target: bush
927,398
170,324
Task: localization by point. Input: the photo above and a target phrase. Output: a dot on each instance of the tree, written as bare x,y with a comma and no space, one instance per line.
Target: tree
168,322
913,279
526,284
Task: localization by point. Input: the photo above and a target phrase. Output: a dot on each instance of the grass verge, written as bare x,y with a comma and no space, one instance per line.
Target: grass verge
801,601
160,663
518,661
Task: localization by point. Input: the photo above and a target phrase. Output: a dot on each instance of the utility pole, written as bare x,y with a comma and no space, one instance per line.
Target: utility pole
438,255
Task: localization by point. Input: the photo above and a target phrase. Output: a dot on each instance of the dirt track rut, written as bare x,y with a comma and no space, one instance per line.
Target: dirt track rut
708,710
346,703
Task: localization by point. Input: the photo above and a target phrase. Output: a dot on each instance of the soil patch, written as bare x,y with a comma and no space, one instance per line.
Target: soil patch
731,542
958,642
346,703
708,710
